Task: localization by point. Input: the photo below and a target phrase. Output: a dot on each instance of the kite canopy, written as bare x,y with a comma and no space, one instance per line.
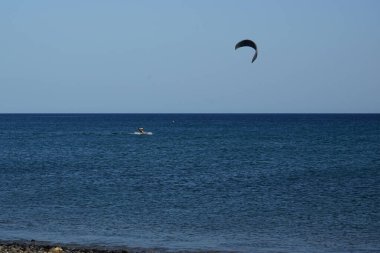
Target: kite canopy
247,43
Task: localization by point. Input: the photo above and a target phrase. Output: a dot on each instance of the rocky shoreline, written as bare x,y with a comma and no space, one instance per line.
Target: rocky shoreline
13,247
37,247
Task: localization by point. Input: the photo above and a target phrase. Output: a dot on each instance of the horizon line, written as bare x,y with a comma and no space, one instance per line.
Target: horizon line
3,113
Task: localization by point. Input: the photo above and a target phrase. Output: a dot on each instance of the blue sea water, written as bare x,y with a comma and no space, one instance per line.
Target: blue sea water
229,182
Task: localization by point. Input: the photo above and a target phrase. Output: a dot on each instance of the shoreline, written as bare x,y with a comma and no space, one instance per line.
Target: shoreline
25,246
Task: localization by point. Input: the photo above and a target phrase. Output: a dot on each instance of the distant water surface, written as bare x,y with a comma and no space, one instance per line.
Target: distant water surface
231,182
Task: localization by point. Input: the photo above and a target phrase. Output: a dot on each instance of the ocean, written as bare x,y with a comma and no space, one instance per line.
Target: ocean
223,182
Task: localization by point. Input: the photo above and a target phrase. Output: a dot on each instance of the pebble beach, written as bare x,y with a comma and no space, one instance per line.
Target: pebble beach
33,247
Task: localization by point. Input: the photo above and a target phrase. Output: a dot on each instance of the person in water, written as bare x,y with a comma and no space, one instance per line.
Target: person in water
141,130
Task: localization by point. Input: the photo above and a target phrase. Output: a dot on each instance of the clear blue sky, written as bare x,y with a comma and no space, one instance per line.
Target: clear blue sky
178,56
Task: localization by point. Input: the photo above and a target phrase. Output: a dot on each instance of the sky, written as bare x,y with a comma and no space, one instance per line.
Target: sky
173,56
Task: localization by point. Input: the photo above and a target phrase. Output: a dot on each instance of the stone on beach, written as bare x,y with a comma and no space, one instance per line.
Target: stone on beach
56,250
